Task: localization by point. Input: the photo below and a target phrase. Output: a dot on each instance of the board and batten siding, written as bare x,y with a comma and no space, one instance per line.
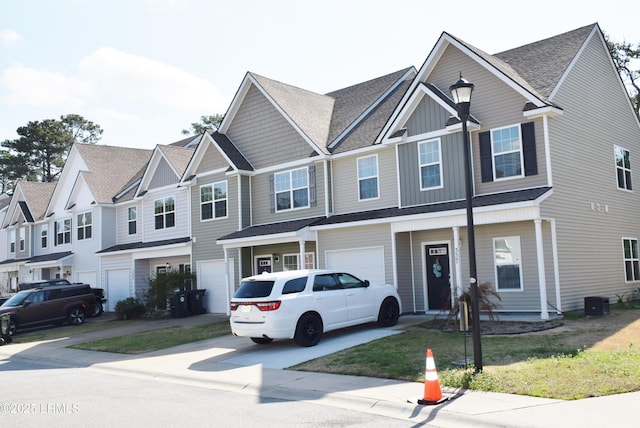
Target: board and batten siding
495,105
261,206
592,214
429,116
378,235
263,135
206,232
452,169
344,175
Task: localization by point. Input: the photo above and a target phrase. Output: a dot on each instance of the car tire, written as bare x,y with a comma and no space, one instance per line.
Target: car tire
389,312
98,310
13,327
262,340
75,316
308,330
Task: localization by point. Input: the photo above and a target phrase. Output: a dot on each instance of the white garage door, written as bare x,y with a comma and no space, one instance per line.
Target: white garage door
211,277
365,263
87,278
117,287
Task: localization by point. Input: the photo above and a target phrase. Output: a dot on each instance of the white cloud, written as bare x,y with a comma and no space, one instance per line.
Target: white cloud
29,86
9,38
145,81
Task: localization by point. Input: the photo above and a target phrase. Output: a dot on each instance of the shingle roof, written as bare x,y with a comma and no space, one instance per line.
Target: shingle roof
37,196
231,151
311,112
179,157
110,168
543,63
271,229
143,245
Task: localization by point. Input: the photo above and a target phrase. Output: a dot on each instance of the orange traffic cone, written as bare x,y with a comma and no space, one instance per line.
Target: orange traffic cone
432,391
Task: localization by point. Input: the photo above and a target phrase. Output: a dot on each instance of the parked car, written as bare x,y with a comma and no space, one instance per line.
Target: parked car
303,304
49,305
99,292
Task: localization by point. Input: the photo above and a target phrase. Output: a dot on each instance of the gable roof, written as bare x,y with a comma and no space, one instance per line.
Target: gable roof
110,168
36,195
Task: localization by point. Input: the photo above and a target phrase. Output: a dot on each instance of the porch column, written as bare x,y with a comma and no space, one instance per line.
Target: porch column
544,313
456,262
556,266
226,279
301,257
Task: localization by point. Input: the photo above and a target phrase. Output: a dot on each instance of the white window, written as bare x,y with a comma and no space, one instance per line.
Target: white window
430,159
213,201
12,241
506,146
44,235
623,168
84,226
508,263
63,231
631,260
368,177
22,239
292,189
132,220
290,261
165,213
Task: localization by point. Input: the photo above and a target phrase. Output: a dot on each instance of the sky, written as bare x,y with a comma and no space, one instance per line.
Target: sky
144,70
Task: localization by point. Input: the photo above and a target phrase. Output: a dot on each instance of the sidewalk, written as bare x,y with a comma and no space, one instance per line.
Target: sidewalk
211,364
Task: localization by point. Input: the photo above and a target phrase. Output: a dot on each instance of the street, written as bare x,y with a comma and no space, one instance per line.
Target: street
37,395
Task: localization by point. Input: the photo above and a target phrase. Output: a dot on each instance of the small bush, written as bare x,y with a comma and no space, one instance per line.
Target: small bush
129,308
163,284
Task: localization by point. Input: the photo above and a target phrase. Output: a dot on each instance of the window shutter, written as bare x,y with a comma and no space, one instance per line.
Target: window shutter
312,186
272,195
529,149
55,233
486,160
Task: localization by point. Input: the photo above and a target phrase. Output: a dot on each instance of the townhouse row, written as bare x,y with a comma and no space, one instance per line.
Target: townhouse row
369,179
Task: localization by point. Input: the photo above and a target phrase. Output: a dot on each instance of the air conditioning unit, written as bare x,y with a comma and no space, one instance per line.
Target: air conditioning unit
596,305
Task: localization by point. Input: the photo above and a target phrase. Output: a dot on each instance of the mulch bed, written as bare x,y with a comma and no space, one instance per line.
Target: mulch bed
495,327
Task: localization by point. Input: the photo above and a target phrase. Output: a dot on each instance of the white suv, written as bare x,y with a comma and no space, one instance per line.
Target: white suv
303,304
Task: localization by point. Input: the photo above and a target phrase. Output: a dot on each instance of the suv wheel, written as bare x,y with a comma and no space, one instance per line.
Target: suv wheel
308,330
262,340
75,316
389,312
98,309
13,327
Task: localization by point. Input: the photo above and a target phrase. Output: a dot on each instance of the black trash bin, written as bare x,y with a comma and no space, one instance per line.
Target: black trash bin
5,322
179,304
196,302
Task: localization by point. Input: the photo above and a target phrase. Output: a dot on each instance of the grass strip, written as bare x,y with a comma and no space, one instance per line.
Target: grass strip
149,341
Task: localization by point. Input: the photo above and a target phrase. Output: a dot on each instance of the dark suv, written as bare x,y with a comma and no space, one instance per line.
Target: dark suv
98,292
51,305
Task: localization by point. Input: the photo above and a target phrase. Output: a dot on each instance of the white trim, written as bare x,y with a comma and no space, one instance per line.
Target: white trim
520,151
542,279
439,163
213,200
376,176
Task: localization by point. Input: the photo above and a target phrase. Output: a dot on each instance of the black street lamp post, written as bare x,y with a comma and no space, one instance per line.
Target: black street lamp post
461,92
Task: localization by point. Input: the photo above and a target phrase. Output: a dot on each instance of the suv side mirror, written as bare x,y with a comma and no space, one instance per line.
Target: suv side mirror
366,283
26,303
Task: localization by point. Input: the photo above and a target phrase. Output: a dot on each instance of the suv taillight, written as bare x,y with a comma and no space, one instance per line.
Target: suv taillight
268,306
262,306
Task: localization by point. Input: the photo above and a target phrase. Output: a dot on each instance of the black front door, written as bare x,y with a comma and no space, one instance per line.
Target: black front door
438,286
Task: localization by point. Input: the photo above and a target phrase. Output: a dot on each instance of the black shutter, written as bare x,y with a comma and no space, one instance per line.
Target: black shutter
529,149
272,195
486,159
312,186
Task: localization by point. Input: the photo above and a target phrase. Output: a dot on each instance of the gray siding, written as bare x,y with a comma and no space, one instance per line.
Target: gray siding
452,157
181,228
496,105
212,160
263,135
245,203
592,215
404,274
428,116
107,228
261,205
206,232
122,222
345,179
164,175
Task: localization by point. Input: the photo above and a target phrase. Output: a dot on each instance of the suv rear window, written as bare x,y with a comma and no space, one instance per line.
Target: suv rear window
249,289
295,285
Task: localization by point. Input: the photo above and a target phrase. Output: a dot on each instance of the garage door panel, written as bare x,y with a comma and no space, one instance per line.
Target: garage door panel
365,263
117,287
211,277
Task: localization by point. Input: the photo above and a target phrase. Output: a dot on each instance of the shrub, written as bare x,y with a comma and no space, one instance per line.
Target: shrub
486,302
163,284
129,308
